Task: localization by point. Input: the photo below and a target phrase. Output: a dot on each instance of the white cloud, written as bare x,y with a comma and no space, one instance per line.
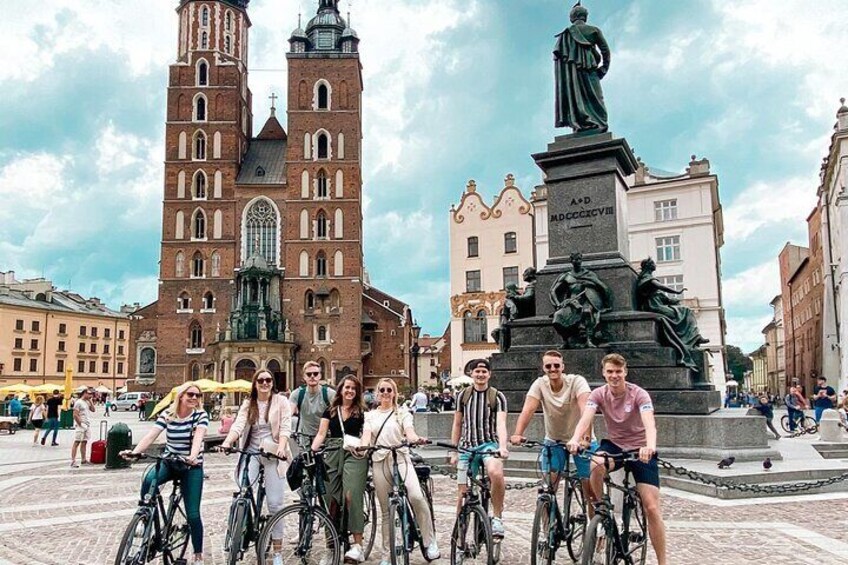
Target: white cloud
746,332
411,236
766,204
754,286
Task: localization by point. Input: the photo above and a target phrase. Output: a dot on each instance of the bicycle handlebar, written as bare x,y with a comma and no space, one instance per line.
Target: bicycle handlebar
164,457
260,453
372,448
461,449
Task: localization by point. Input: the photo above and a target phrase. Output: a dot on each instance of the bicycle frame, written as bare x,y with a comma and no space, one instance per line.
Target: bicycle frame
604,507
251,502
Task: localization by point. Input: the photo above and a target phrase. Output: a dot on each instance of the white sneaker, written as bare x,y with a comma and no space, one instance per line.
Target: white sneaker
433,551
278,559
355,553
497,527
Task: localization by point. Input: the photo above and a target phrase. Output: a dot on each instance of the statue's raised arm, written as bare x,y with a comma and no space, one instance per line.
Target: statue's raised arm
581,60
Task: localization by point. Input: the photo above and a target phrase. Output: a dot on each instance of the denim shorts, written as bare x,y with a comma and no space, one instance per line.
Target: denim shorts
462,464
553,459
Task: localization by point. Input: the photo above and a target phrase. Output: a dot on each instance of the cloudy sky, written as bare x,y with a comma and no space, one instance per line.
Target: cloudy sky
455,89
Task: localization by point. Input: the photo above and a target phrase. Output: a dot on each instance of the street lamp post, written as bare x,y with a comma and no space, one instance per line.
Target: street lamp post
416,331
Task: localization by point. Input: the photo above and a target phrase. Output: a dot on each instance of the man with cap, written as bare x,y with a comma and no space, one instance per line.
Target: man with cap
479,424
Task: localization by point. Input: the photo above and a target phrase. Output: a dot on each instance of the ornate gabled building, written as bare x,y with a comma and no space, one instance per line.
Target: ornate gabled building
261,254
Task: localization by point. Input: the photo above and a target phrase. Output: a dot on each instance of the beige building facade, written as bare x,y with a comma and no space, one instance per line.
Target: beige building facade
44,331
490,247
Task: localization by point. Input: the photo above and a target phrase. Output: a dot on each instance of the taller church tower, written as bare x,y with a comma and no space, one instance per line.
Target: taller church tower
323,228
207,131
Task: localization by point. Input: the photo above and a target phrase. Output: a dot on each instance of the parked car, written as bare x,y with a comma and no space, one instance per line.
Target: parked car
129,400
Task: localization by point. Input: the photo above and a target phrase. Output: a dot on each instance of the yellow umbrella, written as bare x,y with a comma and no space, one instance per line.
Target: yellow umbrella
164,403
69,387
240,385
207,385
44,389
15,388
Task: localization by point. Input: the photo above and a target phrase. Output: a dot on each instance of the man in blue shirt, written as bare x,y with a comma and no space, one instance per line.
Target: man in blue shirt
824,397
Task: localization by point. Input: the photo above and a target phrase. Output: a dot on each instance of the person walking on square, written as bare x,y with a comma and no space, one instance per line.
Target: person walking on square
54,407
142,402
185,424
764,408
389,425
795,406
106,406
83,407
310,400
824,398
37,415
347,471
628,413
479,424
420,401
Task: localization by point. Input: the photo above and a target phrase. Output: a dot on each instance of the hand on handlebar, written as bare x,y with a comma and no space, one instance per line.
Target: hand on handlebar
645,454
516,439
504,452
573,446
129,455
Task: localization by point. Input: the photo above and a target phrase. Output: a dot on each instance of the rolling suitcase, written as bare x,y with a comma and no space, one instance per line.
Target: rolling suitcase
98,448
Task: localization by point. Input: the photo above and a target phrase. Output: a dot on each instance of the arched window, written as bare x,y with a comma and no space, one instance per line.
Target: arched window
199,146
196,337
197,265
338,264
474,327
216,264
323,365
198,190
228,21
340,146
304,224
204,16
335,299
260,224
338,224
181,184
217,224
202,73
322,190
309,301
323,97
200,108
147,361
179,264
204,41
321,264
303,269
184,301
208,301
321,225
228,44
307,146
322,334
181,145
339,184
179,225
198,225
510,242
323,146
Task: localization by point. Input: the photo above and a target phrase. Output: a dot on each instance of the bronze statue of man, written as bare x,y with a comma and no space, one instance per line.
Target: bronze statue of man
581,59
580,297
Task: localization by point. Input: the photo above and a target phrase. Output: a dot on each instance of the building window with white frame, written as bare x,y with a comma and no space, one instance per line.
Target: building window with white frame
197,265
472,281
200,108
208,301
199,146
674,282
510,276
204,41
668,248
199,188
665,210
321,264
474,327
199,225
196,336
184,302
202,73
204,17
473,246
510,242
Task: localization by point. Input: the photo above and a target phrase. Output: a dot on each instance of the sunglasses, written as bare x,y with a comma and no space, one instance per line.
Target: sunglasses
194,394
313,374
264,381
550,366
385,389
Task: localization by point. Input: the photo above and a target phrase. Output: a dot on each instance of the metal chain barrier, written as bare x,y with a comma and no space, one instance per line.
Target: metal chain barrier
448,471
802,486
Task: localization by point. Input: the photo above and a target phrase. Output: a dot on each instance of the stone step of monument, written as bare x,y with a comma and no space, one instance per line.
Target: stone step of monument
650,378
832,450
637,355
774,479
680,402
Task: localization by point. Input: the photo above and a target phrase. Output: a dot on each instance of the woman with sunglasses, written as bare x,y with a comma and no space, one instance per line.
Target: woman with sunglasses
264,423
389,425
347,471
185,424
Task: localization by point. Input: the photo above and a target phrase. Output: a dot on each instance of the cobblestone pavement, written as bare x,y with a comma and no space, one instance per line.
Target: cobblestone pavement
52,514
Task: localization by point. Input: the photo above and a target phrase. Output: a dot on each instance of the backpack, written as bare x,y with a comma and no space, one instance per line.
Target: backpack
302,391
491,397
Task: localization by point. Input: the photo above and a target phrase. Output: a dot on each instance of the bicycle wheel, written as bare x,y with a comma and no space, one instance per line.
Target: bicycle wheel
135,544
398,529
634,530
177,536
810,425
598,546
471,540
237,530
306,535
541,537
784,423
576,518
369,508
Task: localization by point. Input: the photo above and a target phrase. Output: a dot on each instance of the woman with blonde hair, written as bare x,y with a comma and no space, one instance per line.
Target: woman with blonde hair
346,471
389,425
185,424
264,423
36,417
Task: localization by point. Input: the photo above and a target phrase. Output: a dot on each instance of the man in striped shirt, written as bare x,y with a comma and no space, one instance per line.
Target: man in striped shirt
479,424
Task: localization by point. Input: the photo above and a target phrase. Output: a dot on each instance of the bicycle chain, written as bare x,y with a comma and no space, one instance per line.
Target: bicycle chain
448,472
802,486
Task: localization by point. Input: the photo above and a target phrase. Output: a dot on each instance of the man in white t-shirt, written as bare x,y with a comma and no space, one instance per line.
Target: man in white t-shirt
420,400
83,407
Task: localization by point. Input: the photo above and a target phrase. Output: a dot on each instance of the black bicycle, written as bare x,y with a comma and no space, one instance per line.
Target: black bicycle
246,519
607,543
803,424
551,526
404,532
471,539
156,528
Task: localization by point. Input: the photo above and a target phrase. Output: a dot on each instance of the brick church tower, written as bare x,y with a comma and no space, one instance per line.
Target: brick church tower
324,220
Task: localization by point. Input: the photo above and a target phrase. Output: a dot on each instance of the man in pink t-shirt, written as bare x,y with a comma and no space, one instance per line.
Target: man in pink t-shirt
629,418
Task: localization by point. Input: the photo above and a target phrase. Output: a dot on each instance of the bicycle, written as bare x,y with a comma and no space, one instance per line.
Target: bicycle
803,425
155,528
246,519
404,532
605,542
471,539
551,526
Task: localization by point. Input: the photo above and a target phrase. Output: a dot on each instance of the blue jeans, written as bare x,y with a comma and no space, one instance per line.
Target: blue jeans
191,485
553,459
819,411
51,424
796,417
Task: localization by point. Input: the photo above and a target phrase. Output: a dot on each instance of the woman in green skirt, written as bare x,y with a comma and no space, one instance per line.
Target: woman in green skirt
346,472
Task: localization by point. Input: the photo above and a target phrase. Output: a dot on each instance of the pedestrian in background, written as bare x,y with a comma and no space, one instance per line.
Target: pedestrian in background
824,398
37,415
764,408
83,407
54,406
